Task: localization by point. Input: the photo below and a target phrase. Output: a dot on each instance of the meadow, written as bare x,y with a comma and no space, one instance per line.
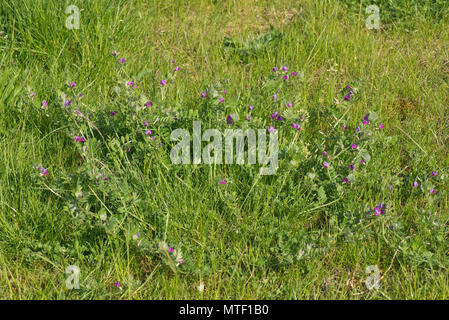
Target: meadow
357,208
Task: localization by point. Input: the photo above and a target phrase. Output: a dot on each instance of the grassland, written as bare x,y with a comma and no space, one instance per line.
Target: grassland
303,233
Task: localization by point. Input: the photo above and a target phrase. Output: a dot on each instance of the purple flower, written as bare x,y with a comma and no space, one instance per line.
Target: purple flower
44,103
221,100
433,191
362,161
80,139
250,108
345,180
351,167
163,82
270,129
324,154
275,96
345,127
170,249
117,284
377,211
294,73
122,60
67,102
415,184
326,164
347,97
44,172
113,113
296,126
148,132
106,178
290,104
72,84
148,104
229,119
130,83
381,126
203,95
390,187
223,181
249,117
274,69
350,92
145,124
274,115
286,77
114,53
434,173
284,68
177,68
354,146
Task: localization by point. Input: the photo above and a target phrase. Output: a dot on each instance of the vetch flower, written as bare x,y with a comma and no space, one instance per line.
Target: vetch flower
270,129
114,53
326,164
147,132
130,83
67,102
274,69
433,191
221,100
294,73
203,95
223,181
163,82
284,68
275,96
148,104
118,285
72,84
44,172
250,107
286,77
290,104
296,126
113,113
122,60
354,146
434,173
145,124
351,167
381,126
415,184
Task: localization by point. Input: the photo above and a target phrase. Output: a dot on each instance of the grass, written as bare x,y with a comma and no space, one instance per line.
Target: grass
299,234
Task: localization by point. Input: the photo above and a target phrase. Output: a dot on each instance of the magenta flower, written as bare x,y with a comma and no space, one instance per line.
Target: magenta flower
223,181
434,173
228,119
221,100
290,104
249,117
347,97
433,191
72,84
181,261
117,284
250,108
203,95
145,124
381,126
348,87
415,184
163,82
377,211
345,180
275,96
44,172
294,73
113,113
270,129
326,165
80,139
177,68
324,154
351,167
286,77
44,103
345,127
170,249
296,126
148,132
122,60
354,146
148,104
106,178
274,69
130,83
284,68
67,102
362,161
